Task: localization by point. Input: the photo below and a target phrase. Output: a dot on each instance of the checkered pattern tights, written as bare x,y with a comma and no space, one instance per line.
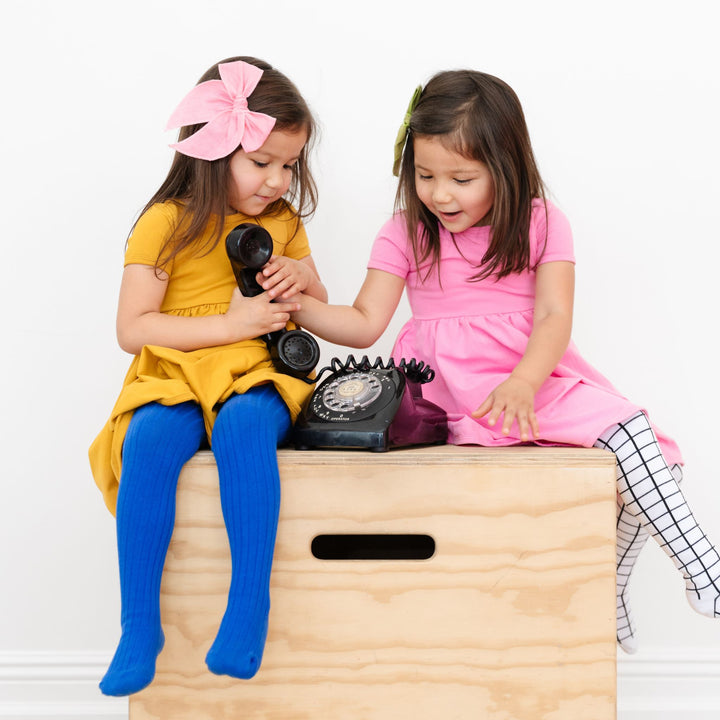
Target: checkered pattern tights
650,502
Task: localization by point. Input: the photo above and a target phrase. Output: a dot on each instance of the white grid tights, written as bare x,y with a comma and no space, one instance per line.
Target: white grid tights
650,501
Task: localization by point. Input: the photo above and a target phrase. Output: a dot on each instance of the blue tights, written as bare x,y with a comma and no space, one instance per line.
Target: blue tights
159,441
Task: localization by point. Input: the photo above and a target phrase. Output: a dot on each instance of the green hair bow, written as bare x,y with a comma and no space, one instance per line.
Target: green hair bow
403,131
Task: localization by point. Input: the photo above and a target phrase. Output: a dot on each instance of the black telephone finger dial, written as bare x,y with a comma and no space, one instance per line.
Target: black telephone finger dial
355,396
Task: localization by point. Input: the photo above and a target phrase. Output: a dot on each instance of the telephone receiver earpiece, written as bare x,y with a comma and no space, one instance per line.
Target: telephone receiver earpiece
249,247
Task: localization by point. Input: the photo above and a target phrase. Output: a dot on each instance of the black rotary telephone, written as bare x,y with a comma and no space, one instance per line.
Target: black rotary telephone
249,247
371,406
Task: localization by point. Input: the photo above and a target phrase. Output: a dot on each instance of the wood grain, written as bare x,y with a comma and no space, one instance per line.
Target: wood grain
512,618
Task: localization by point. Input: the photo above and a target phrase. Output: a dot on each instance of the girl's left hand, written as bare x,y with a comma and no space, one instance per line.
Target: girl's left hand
514,400
283,276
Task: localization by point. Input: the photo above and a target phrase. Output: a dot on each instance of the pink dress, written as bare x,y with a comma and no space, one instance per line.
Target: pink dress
474,333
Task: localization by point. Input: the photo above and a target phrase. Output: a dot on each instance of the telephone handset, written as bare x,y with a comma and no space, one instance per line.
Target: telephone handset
249,247
371,406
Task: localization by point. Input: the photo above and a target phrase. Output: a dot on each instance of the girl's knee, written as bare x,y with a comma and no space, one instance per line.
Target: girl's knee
245,413
154,423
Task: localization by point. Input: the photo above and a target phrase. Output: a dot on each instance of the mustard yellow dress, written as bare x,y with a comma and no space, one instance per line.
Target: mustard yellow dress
200,284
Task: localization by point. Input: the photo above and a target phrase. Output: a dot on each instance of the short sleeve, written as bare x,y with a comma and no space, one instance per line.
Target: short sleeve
551,235
391,250
151,231
298,247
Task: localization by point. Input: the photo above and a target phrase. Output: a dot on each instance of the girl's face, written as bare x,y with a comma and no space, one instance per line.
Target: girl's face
459,191
263,176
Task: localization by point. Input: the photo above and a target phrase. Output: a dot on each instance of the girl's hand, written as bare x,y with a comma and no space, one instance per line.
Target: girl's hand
514,400
252,317
285,277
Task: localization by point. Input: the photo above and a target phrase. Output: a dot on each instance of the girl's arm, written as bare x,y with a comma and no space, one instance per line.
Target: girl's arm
550,336
140,322
361,324
285,277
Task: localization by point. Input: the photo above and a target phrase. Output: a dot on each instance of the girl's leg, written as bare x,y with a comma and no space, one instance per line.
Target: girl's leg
652,496
631,538
245,437
159,441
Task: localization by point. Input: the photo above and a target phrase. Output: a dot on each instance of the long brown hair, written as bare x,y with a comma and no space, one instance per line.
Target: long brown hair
199,187
480,117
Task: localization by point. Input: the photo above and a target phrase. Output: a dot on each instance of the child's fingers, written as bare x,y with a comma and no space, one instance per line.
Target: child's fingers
508,419
273,274
281,292
525,426
287,307
534,425
281,288
484,407
270,267
513,410
292,290
496,412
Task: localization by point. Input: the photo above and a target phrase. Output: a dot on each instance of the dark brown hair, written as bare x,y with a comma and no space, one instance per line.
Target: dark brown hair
199,187
480,117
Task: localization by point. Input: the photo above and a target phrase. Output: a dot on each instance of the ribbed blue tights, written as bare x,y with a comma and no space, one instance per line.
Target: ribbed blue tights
159,441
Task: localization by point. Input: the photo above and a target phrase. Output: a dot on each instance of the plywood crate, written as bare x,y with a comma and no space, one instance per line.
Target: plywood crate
511,618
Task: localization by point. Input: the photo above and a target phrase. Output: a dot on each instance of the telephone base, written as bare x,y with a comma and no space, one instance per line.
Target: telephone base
312,436
309,438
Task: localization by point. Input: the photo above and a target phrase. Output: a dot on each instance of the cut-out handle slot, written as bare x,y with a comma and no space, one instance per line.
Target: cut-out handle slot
373,547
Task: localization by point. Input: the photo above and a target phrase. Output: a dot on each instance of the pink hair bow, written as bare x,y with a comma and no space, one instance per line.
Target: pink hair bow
222,104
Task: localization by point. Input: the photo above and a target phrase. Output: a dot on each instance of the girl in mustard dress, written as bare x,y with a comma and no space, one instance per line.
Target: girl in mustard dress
199,371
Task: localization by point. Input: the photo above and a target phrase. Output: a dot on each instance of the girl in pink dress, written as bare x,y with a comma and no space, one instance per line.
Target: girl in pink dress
488,265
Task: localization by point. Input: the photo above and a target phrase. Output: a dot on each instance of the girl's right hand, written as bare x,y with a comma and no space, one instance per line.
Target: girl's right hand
514,399
252,317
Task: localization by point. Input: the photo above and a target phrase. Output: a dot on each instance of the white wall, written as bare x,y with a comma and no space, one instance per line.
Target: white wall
623,103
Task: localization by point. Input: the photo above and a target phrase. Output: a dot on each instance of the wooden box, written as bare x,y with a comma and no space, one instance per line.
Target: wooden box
511,618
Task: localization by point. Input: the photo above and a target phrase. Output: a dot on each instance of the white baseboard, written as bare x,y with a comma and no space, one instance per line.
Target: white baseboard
665,684
56,686
655,685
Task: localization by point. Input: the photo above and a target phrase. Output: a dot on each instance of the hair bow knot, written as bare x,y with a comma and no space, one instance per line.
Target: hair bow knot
223,106
403,131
